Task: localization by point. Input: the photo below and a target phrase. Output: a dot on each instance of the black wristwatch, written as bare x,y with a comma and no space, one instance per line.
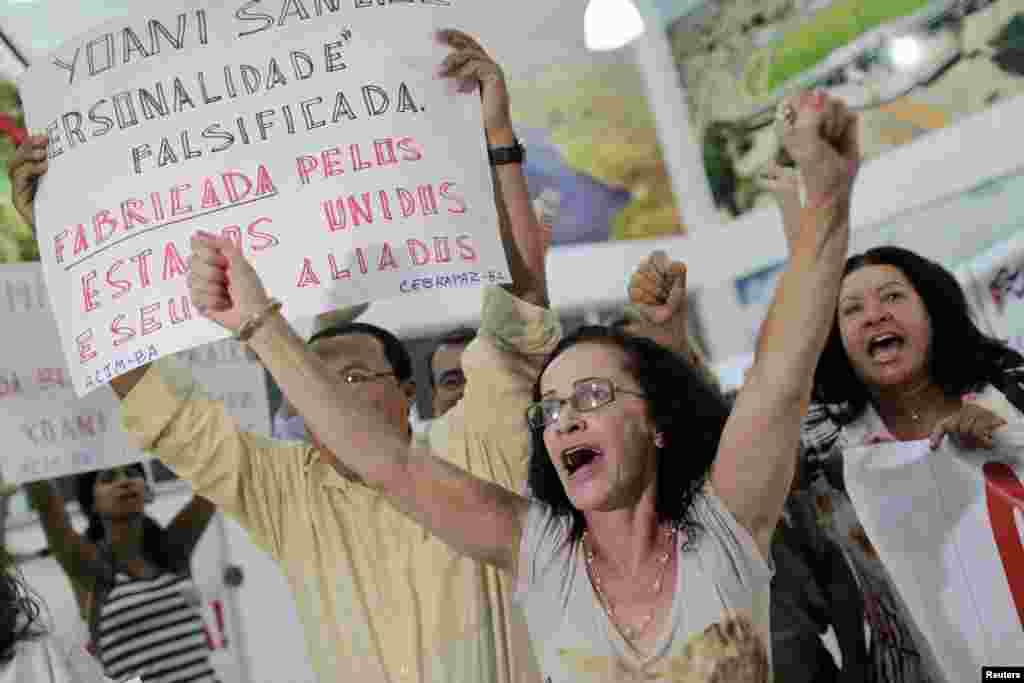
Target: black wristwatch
515,154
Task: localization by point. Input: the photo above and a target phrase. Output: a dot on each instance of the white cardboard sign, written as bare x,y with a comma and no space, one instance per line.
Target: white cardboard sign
314,133
49,432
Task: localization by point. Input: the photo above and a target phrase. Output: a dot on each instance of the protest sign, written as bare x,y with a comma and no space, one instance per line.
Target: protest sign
994,284
948,526
49,432
313,133
227,374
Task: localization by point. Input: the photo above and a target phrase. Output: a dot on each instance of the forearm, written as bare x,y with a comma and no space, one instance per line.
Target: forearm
754,470
792,219
521,232
362,439
189,524
800,318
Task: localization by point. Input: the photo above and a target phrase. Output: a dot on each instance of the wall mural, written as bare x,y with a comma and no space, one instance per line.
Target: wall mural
592,146
910,67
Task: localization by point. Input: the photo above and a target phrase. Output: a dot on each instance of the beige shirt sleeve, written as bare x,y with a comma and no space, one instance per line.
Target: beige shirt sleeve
250,477
487,429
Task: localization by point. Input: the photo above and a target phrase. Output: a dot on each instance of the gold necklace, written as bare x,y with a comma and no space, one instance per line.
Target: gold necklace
630,632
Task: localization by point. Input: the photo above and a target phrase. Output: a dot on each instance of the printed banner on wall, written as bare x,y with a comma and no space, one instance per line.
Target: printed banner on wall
47,431
315,135
948,525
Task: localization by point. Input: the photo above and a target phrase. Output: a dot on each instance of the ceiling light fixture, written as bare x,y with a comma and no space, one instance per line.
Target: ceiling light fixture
611,24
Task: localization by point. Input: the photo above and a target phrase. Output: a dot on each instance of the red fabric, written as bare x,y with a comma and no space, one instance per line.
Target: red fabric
9,126
1006,492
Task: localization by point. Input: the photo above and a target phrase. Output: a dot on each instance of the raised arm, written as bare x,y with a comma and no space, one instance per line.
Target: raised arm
187,527
27,167
658,310
521,232
72,550
757,455
476,517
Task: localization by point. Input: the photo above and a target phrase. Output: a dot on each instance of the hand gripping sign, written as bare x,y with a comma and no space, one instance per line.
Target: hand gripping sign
49,432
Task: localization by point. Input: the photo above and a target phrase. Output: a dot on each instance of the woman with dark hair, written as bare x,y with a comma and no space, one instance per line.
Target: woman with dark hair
132,578
647,555
953,358
19,612
28,653
904,361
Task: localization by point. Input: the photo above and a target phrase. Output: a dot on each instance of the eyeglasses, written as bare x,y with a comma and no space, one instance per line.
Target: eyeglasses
587,394
126,472
363,376
452,379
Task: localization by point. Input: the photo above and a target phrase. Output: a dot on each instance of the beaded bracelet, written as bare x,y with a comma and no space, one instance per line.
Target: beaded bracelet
255,321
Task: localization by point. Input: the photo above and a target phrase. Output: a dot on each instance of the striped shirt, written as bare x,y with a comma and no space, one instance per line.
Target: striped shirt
153,628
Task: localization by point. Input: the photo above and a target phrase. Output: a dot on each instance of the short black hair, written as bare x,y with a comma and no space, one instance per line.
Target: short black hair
20,610
460,335
394,350
963,358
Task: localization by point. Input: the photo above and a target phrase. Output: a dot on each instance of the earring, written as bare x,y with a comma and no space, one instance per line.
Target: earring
659,440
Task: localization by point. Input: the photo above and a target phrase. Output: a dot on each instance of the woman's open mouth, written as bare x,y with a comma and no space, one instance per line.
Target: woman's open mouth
885,347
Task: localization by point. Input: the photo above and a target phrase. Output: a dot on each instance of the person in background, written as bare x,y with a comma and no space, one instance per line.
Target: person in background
814,588
444,367
594,555
379,600
658,309
158,634
904,361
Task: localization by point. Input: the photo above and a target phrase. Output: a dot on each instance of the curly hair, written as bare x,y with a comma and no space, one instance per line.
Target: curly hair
962,358
20,610
688,412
